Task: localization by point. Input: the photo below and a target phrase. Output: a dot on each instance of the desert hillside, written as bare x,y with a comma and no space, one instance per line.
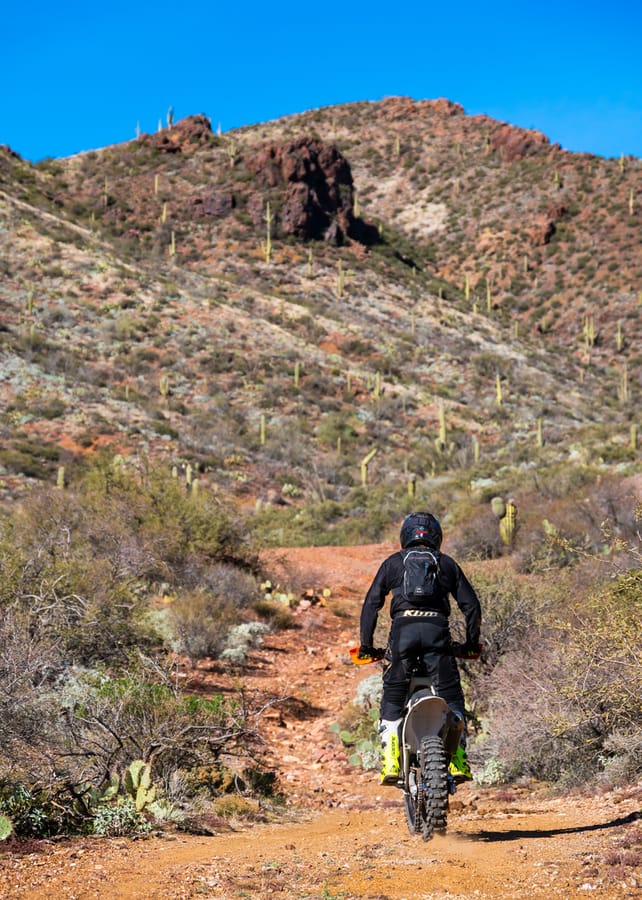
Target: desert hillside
445,295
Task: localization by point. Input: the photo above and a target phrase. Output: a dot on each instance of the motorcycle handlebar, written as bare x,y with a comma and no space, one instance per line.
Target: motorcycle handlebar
459,651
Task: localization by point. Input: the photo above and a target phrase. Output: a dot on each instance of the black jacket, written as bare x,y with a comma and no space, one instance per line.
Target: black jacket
451,581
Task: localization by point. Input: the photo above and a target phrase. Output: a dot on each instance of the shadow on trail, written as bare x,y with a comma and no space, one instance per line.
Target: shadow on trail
516,834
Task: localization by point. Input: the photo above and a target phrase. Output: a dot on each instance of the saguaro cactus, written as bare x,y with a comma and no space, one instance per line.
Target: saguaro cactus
441,439
588,331
499,395
619,337
623,387
267,245
506,512
341,280
365,462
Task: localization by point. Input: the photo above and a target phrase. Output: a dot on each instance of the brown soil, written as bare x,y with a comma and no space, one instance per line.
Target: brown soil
343,836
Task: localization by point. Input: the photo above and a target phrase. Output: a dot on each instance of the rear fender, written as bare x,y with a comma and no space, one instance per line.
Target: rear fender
429,715
426,715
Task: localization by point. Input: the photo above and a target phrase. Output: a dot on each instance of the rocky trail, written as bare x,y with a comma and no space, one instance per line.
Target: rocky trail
341,835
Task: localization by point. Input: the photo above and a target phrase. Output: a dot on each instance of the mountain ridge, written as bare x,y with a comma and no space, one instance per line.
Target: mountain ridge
491,302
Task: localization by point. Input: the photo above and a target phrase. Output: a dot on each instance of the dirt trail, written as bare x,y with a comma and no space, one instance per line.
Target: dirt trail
343,835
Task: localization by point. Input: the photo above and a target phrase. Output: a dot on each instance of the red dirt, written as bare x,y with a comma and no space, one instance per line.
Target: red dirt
342,835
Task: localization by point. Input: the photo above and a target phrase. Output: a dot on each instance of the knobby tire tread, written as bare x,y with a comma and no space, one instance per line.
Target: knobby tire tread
434,772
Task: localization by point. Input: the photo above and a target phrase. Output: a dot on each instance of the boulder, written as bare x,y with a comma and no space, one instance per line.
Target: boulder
214,204
314,181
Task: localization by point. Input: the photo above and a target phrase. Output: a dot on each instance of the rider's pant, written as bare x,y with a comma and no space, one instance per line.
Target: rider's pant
425,640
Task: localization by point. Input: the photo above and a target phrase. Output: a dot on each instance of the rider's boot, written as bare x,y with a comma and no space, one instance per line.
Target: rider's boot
458,767
389,732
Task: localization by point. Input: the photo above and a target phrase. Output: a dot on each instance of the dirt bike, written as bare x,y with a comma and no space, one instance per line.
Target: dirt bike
429,736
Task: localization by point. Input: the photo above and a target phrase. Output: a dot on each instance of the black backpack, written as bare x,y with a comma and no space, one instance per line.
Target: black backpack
421,573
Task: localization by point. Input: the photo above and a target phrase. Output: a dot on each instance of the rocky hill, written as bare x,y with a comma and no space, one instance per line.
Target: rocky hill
326,314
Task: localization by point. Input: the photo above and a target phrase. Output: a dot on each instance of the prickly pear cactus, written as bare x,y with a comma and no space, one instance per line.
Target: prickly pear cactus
144,796
131,778
138,784
6,828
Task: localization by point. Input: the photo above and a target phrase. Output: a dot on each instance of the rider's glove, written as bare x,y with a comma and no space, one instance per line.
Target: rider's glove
471,651
366,652
466,651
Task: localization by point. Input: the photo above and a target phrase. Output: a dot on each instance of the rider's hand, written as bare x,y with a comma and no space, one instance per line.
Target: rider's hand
466,651
366,652
471,651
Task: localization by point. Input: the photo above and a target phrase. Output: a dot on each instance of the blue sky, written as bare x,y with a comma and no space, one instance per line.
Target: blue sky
78,76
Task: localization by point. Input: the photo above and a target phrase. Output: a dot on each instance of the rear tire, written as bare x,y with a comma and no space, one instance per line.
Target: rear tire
434,777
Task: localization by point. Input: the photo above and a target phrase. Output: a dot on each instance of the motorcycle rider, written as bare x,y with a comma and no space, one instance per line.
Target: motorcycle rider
419,634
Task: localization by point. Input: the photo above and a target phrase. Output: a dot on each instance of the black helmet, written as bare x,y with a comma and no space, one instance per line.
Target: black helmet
421,528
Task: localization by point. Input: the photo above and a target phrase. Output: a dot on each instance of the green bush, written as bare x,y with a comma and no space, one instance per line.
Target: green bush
120,819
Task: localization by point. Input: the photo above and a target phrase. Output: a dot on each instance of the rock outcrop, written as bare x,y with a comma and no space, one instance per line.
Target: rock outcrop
312,182
516,143
193,131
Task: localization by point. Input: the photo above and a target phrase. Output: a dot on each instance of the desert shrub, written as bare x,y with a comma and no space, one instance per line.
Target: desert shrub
201,618
240,639
82,563
360,516
62,746
511,611
31,812
200,621
566,707
74,597
358,727
79,569
276,614
478,535
119,819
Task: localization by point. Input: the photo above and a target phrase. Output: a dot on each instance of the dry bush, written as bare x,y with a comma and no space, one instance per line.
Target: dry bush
523,701
78,570
478,536
511,608
566,706
83,562
63,743
201,618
